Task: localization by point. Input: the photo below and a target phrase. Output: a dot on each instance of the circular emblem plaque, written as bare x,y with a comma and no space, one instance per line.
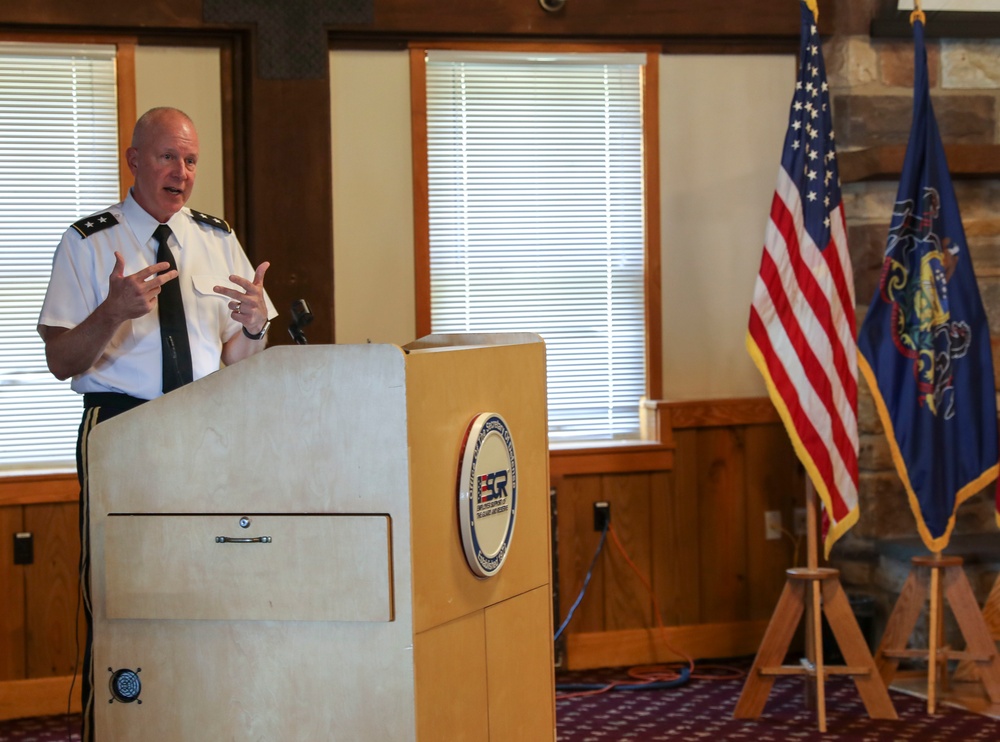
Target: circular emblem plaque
487,493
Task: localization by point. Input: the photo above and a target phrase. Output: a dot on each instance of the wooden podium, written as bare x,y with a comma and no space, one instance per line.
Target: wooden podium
276,551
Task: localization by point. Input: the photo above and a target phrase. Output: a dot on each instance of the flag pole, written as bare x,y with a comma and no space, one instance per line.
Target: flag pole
814,612
812,546
814,609
812,516
934,631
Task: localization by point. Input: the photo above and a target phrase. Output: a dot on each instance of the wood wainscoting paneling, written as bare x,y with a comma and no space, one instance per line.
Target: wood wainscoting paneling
694,533
13,626
21,699
669,644
56,625
41,622
39,488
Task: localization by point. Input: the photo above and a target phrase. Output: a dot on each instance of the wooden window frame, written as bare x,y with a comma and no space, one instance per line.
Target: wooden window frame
570,458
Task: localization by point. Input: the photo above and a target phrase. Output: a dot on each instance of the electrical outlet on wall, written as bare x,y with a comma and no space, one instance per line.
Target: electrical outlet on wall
602,515
800,522
772,525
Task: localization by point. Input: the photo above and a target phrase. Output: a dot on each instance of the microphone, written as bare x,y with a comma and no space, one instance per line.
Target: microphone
301,317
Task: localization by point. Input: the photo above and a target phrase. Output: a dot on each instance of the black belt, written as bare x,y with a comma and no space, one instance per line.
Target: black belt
111,400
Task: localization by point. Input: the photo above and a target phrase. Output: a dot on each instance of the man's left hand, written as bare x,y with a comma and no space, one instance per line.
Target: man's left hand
248,307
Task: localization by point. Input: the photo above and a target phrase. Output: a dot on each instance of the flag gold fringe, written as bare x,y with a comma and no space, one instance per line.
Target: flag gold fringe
941,542
814,7
837,529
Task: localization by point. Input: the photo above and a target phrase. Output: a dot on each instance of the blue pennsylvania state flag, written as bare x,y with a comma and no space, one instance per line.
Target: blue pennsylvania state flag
925,343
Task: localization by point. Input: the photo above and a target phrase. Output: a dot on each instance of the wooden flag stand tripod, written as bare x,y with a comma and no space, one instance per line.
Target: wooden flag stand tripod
967,671
991,611
815,591
941,578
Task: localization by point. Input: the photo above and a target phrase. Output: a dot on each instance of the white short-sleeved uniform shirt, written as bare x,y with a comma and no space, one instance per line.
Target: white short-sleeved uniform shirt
207,253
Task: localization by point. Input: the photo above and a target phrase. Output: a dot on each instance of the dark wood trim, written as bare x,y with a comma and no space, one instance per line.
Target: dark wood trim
398,42
290,194
234,195
65,37
531,45
21,699
626,457
421,208
237,72
782,45
144,35
39,488
886,162
941,24
410,19
636,20
651,180
110,13
125,70
629,647
711,413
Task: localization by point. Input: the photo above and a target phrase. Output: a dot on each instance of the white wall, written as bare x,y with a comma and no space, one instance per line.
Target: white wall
188,78
722,125
372,197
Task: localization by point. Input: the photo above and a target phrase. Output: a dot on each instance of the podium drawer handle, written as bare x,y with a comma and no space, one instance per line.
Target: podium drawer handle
229,540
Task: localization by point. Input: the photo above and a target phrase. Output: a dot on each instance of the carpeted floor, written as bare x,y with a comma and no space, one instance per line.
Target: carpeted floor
44,729
703,710
697,710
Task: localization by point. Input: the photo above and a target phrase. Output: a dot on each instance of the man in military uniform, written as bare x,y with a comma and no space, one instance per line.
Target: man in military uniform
145,297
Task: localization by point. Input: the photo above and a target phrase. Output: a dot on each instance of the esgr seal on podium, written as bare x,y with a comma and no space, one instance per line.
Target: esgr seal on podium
487,493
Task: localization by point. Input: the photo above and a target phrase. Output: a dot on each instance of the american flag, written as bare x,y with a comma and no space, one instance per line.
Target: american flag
801,329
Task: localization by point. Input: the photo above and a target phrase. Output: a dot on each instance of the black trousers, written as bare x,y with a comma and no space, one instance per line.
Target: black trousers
96,409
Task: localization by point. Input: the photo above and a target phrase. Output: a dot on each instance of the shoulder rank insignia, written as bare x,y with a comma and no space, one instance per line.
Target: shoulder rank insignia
212,221
92,224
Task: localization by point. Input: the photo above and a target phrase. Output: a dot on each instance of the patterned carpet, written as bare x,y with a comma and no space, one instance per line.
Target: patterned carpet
696,710
703,710
44,729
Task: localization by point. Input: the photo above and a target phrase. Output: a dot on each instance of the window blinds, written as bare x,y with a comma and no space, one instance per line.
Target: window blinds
58,162
536,220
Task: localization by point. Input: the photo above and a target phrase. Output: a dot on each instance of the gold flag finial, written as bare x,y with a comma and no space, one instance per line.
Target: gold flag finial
917,14
814,7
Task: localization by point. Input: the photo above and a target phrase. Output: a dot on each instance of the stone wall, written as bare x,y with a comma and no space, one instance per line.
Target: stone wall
872,84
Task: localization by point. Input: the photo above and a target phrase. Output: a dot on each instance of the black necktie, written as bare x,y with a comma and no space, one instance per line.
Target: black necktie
173,327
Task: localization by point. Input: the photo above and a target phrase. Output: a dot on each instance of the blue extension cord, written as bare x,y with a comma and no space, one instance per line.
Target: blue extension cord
685,675
586,581
685,672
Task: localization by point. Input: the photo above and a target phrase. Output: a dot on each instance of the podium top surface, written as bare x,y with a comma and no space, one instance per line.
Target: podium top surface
445,341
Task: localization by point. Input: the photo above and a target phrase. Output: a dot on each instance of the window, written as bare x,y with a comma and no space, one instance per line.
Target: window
58,162
536,165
